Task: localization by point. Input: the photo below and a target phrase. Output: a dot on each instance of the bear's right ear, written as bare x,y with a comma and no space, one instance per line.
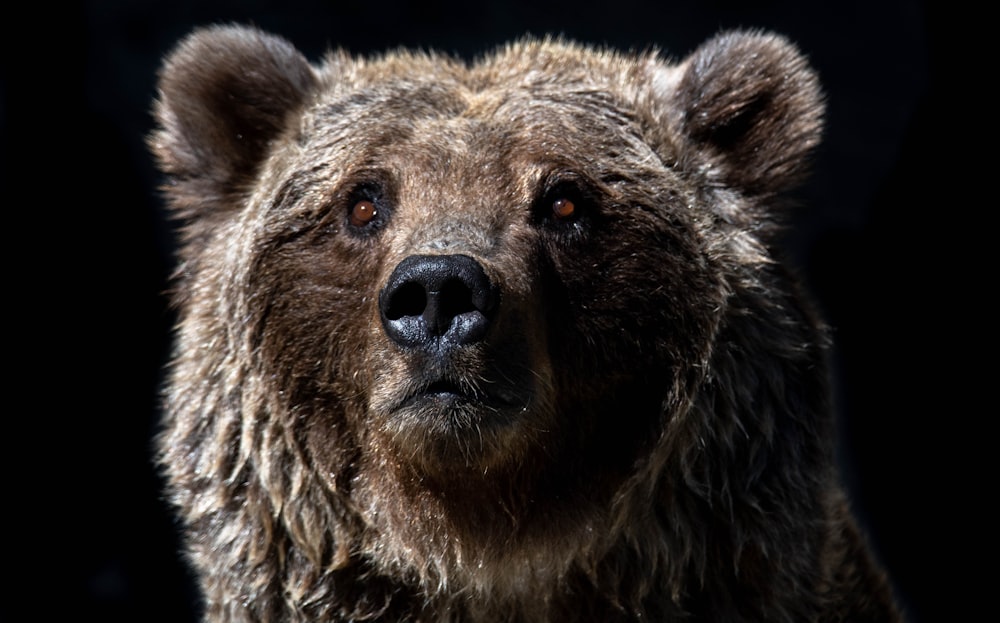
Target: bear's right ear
225,93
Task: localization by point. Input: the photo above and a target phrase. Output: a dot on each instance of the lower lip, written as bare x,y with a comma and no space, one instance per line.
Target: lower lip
453,398
443,397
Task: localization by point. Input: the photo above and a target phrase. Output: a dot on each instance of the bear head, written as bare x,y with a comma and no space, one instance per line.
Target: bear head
489,327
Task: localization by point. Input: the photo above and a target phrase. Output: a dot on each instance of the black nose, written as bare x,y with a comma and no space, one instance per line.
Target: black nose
444,300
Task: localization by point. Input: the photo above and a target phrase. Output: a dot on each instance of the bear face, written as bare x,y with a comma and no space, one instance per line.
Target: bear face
498,341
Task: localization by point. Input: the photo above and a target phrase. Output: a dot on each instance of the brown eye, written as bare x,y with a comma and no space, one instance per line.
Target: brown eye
563,208
567,204
362,213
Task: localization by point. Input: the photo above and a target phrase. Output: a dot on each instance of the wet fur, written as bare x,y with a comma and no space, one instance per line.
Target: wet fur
651,436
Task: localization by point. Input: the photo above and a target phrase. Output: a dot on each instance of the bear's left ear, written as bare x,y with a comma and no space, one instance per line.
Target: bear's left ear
748,109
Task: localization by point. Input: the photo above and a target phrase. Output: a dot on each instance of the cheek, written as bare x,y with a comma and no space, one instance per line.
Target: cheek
634,300
317,311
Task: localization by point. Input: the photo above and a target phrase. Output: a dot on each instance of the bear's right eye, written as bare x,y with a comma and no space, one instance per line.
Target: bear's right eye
367,208
363,212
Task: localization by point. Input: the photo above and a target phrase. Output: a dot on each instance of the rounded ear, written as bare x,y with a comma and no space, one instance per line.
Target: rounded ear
225,93
748,105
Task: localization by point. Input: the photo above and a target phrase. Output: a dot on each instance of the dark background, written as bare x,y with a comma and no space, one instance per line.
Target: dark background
89,251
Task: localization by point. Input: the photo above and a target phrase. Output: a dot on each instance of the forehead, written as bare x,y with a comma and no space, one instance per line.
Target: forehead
438,122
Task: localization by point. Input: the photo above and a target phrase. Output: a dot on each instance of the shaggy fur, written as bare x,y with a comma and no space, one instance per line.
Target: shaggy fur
500,341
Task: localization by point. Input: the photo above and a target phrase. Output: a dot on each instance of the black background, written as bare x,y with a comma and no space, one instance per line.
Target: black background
89,251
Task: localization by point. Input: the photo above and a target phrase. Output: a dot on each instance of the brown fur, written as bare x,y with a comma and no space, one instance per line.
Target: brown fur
635,424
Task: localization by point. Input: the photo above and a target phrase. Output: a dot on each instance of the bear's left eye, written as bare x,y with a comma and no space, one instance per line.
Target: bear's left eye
565,201
563,208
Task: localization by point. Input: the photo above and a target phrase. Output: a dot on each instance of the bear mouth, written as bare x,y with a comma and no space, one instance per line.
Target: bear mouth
440,420
448,395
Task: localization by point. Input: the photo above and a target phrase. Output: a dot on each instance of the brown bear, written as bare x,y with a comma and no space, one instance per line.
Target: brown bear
503,340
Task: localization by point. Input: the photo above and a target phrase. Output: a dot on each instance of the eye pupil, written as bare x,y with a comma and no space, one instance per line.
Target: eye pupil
362,213
563,208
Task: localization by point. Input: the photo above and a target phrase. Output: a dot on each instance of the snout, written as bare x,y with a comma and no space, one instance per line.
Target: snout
438,302
463,379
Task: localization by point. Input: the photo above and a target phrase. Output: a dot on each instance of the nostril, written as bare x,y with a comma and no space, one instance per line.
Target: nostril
410,299
455,298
